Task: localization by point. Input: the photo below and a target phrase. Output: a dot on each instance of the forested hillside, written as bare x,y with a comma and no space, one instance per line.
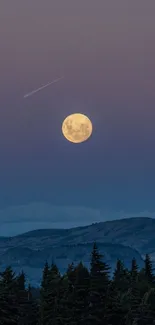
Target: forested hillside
81,296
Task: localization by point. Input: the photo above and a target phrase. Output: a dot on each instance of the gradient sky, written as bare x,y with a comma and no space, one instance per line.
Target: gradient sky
106,51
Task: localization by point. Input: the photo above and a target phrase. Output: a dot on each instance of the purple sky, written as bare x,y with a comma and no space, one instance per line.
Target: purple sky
106,51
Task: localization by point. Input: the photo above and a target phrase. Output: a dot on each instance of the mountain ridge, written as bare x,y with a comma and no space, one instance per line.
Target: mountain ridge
123,238
82,227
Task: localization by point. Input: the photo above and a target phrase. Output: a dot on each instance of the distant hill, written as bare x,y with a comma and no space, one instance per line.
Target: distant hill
125,239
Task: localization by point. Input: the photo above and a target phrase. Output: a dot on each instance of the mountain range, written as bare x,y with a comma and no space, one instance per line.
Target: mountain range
124,239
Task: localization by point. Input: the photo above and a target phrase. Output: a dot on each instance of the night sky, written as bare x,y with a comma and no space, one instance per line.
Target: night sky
105,49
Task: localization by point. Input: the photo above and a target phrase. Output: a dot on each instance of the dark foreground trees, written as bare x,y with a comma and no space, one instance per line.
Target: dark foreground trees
81,296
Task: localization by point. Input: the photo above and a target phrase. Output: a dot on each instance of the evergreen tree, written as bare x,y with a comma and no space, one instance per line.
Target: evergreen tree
71,275
133,294
121,277
21,297
99,281
134,271
44,282
21,279
49,303
65,303
9,310
81,292
146,311
148,269
43,306
113,313
31,309
143,284
133,301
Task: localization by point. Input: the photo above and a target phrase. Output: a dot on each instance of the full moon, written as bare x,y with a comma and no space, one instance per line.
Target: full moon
77,128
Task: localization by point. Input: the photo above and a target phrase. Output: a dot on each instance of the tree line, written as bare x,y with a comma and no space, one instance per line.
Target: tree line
81,296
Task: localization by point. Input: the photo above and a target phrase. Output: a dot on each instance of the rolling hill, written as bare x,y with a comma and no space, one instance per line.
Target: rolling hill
125,239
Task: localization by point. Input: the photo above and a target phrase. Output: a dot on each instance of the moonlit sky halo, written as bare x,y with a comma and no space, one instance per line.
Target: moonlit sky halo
105,50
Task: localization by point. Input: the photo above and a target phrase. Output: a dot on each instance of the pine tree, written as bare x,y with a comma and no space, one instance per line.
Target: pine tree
146,311
9,311
44,282
143,284
133,301
148,269
49,293
71,275
81,293
31,309
121,277
134,270
98,268
43,306
65,302
21,279
113,313
134,292
99,280
21,297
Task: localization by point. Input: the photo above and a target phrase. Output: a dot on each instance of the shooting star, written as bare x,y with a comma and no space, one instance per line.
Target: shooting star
36,90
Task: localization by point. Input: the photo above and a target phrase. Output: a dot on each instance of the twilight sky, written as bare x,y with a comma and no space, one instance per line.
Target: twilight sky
106,51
